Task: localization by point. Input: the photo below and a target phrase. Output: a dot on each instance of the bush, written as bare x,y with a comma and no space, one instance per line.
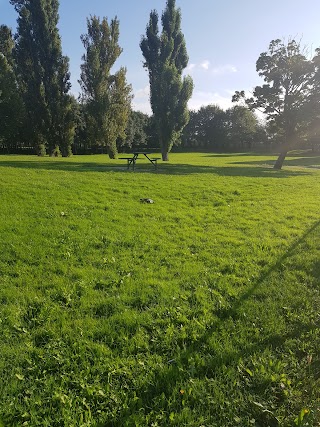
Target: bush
56,152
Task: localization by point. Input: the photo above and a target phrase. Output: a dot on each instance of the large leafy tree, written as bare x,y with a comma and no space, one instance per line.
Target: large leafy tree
285,97
166,57
206,128
43,75
106,96
214,129
136,132
11,106
243,128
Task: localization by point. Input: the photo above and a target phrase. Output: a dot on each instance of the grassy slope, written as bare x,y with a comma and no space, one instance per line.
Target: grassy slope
198,310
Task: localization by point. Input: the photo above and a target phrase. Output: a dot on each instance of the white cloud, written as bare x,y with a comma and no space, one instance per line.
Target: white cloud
224,69
205,64
143,107
200,99
141,101
190,67
142,93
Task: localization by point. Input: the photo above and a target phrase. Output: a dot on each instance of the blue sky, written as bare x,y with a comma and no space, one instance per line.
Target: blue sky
224,39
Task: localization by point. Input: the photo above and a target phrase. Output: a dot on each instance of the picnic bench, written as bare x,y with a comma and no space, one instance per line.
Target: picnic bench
131,161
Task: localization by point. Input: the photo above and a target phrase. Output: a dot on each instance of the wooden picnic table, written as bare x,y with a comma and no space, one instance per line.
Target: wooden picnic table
132,160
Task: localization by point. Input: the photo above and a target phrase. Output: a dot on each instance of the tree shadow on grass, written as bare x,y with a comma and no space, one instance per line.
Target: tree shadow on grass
276,267
258,171
246,154
163,168
168,378
234,312
307,162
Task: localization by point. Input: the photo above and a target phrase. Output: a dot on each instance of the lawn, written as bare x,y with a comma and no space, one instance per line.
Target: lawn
199,310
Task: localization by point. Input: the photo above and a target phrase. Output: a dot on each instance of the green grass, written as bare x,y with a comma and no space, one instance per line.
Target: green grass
201,309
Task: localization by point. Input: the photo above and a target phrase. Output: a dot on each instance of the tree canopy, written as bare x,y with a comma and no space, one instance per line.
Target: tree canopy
106,96
213,129
11,106
287,94
43,75
166,57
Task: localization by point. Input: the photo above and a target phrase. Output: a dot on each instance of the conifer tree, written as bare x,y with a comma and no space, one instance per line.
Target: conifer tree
106,97
43,75
166,57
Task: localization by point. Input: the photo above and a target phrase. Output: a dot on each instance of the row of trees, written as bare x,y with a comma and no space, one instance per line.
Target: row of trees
38,111
209,129
36,108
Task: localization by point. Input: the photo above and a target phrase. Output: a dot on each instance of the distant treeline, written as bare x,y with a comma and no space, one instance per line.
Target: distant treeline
209,129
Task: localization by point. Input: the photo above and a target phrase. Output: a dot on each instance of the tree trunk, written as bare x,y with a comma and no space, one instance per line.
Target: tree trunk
279,163
164,151
165,156
291,140
112,151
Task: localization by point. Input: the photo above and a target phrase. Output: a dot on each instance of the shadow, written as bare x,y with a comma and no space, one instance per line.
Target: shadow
181,363
53,164
246,154
246,171
307,162
167,378
275,267
169,168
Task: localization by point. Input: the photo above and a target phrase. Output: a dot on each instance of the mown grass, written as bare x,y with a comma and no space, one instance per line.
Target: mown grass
201,309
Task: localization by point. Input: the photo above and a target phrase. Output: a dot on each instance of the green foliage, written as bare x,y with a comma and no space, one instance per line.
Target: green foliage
106,97
11,106
290,97
137,132
56,151
212,128
41,152
43,75
206,128
199,309
166,57
6,43
244,130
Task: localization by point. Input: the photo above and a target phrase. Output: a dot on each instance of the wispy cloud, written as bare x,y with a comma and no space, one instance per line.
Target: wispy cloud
190,67
224,69
205,64
142,93
141,101
200,99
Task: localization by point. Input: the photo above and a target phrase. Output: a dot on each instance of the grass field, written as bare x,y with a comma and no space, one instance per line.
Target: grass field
199,310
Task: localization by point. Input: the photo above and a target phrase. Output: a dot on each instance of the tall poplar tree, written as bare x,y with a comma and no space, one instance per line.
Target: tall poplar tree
106,96
11,106
43,75
166,57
